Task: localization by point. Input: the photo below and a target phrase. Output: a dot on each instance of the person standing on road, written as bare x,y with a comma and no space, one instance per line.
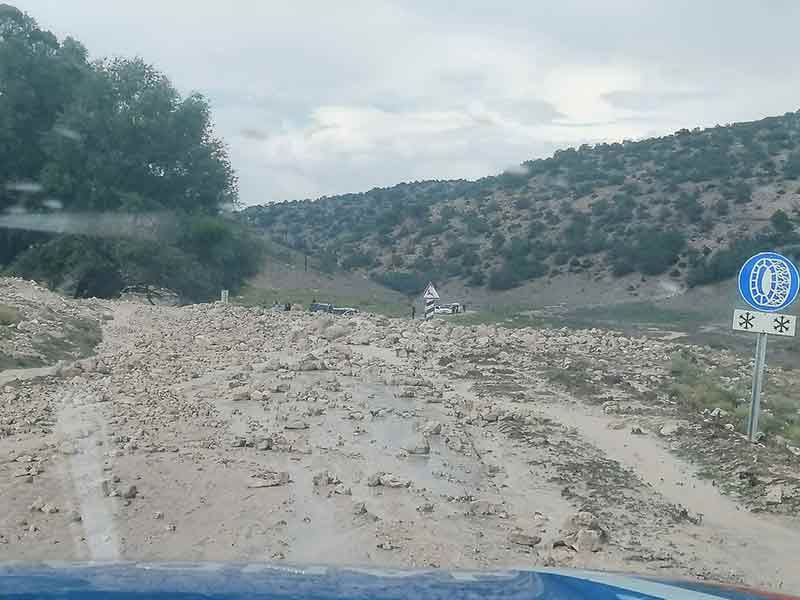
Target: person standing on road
413,312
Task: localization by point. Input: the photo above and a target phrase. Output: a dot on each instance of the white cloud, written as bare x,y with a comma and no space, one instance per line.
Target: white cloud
316,98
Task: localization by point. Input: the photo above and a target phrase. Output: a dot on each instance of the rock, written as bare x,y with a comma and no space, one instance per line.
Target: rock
588,540
105,487
490,415
257,396
322,478
637,431
296,424
87,365
49,508
171,528
239,442
420,446
67,448
730,426
343,490
522,539
264,444
273,364
310,364
610,407
432,428
774,495
130,492
718,413
280,388
241,395
374,480
68,372
270,479
582,532
334,332
482,508
359,508
158,515
394,481
669,429
74,516
37,505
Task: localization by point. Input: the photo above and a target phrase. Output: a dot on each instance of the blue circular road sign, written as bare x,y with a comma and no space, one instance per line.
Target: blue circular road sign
769,281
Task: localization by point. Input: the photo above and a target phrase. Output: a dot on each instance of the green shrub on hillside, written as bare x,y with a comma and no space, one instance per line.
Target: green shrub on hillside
406,282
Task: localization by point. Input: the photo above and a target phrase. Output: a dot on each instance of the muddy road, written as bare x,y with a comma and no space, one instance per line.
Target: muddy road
215,432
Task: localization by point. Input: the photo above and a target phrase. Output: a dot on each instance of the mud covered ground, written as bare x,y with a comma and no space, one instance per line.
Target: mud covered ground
221,432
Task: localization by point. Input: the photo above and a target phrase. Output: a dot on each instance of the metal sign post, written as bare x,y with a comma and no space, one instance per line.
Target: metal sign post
431,296
755,394
768,282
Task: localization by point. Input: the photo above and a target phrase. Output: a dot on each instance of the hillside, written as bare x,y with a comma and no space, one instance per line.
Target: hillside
689,205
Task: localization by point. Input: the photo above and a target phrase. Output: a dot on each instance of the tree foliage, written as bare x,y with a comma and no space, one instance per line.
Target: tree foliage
112,137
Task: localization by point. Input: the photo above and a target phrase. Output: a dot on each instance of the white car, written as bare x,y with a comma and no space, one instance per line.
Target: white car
447,309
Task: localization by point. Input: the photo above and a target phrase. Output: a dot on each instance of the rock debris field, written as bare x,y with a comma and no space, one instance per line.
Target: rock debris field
220,432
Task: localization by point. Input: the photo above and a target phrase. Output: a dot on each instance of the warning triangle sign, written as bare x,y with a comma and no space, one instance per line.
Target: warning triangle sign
430,292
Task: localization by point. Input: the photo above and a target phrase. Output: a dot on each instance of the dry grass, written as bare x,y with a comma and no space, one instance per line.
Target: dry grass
698,389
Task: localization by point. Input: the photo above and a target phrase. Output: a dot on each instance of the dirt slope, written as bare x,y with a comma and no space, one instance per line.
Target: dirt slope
224,432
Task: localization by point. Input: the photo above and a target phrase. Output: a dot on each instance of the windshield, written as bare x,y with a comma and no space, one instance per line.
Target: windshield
403,285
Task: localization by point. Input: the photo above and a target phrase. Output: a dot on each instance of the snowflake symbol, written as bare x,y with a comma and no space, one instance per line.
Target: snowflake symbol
781,324
746,320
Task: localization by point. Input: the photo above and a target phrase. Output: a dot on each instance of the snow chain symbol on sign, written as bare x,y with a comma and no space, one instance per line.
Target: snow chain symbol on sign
781,324
770,281
746,320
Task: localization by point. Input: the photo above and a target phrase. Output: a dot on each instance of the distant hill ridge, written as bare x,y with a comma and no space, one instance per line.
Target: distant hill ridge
690,205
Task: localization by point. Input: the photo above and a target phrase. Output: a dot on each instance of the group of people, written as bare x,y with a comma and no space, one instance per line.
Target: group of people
277,306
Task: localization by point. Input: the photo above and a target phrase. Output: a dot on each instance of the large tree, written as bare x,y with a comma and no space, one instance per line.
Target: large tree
136,145
112,137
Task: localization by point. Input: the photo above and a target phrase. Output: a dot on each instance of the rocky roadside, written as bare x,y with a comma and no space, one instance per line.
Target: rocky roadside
224,432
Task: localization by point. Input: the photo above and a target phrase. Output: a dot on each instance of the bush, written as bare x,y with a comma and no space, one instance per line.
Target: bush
197,257
621,266
470,258
357,260
405,282
781,222
561,258
523,203
502,279
651,252
476,279
722,208
724,263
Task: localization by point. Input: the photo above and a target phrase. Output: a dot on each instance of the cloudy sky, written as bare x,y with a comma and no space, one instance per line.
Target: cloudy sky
320,98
